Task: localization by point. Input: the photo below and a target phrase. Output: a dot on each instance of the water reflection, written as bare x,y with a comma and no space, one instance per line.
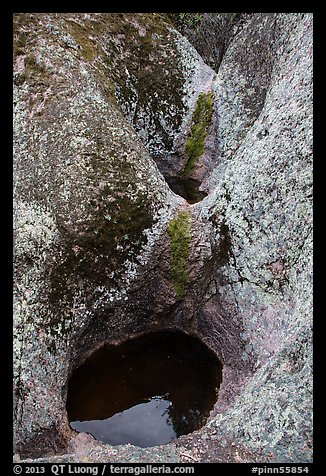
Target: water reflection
146,391
145,424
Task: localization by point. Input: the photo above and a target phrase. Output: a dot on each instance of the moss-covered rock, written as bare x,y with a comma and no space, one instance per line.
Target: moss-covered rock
201,119
180,240
89,206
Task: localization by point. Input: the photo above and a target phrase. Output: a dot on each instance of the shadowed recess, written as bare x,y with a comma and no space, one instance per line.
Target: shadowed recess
187,188
146,391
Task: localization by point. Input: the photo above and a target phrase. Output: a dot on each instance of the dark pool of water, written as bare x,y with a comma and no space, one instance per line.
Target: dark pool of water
146,391
187,188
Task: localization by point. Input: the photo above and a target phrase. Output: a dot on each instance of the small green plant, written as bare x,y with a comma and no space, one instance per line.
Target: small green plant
191,19
201,119
180,238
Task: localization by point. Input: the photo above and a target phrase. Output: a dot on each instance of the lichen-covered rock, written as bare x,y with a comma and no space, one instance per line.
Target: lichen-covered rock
209,33
98,255
264,198
89,206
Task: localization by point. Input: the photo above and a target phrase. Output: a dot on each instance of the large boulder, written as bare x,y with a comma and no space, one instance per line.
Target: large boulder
100,99
263,199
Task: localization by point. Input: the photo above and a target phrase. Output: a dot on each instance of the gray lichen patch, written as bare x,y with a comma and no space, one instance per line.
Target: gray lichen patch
278,424
141,69
112,234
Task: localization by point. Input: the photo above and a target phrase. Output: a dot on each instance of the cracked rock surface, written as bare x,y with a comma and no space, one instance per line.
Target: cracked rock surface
98,97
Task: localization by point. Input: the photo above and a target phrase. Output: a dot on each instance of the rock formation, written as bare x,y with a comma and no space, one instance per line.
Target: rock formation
105,107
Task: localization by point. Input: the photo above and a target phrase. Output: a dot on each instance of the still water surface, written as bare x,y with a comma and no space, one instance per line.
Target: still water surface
146,391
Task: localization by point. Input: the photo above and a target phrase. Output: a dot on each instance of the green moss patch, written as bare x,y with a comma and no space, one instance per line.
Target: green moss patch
183,21
201,119
20,35
112,233
89,48
180,237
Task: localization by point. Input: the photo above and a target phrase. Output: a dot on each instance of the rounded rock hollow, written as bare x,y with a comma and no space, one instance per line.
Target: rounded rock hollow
146,391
